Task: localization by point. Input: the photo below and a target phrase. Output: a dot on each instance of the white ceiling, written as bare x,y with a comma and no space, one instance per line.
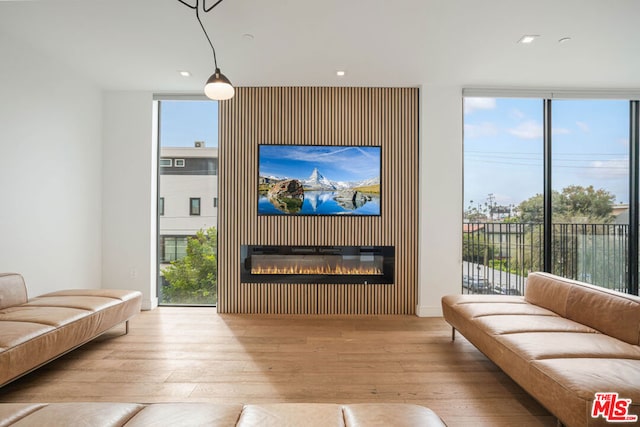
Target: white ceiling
142,44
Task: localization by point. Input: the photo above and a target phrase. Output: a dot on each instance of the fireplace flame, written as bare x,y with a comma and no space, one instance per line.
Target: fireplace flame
322,269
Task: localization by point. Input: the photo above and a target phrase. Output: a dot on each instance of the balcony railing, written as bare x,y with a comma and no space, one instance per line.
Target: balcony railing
497,257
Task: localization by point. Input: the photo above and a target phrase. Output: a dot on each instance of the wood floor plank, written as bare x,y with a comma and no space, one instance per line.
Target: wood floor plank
193,354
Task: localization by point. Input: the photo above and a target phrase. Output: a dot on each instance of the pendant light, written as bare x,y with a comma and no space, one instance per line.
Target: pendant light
218,86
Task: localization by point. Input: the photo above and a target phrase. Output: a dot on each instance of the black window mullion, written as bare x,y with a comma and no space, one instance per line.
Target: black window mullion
548,191
634,198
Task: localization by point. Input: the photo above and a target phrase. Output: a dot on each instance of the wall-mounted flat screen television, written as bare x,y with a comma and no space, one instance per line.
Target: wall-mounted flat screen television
319,180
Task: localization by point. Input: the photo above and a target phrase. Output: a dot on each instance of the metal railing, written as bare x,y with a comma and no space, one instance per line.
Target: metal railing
497,257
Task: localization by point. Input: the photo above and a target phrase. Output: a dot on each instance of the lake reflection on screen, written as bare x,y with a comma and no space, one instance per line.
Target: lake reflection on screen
323,203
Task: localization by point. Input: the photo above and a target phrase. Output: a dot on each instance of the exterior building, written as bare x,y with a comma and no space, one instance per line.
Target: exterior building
621,213
188,196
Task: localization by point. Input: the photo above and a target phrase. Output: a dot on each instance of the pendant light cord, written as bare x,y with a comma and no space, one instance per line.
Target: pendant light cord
204,7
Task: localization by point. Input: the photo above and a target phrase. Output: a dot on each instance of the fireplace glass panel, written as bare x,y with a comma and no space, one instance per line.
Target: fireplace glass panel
317,264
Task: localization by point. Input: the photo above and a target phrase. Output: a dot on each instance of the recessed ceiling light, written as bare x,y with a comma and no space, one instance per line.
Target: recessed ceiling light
185,73
529,38
340,73
564,39
247,36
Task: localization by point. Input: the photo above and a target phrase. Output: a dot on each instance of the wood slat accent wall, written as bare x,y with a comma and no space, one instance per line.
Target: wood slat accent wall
387,117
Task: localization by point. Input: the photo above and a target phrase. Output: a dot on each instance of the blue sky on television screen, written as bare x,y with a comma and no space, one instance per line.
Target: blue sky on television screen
337,163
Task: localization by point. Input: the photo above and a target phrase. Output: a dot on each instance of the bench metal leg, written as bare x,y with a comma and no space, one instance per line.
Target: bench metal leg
126,327
453,333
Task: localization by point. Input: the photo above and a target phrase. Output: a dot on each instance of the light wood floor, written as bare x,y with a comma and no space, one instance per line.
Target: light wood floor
194,354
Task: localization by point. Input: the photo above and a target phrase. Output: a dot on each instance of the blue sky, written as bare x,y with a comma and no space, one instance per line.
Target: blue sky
337,163
184,122
503,147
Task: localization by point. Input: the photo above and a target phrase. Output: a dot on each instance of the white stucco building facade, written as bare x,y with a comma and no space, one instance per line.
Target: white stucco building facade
188,196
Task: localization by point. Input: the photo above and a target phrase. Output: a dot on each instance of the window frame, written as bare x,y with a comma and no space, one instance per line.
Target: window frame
192,210
547,96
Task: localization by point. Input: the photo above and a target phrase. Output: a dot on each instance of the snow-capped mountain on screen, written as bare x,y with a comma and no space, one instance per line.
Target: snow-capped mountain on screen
318,182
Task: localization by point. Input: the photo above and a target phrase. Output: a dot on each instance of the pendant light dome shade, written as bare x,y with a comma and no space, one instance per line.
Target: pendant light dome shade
218,87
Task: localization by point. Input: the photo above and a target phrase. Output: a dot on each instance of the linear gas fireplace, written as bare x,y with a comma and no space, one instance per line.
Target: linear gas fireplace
317,264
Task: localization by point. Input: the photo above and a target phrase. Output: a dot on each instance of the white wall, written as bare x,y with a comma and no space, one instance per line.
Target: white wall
129,187
440,196
50,172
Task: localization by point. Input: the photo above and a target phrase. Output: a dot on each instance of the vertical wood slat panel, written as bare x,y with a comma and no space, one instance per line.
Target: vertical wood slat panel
387,117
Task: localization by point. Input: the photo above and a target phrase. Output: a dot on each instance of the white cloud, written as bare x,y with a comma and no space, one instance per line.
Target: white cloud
584,127
531,129
516,114
480,130
527,130
473,104
609,169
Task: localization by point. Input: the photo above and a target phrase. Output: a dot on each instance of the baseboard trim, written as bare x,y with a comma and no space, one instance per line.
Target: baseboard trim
149,304
428,311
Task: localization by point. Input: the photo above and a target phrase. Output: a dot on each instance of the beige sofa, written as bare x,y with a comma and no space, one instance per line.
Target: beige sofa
36,331
563,341
211,414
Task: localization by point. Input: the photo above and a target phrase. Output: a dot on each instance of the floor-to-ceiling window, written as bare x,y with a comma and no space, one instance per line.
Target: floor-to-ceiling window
590,187
187,202
503,185
547,188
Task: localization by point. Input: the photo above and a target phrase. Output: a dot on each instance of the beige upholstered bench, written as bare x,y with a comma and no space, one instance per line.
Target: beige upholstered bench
36,331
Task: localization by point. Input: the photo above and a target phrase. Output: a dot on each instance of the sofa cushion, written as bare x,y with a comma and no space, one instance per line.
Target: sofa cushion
548,291
187,414
52,316
586,376
13,291
552,345
575,381
389,414
610,312
12,412
121,294
511,324
83,414
89,303
471,307
16,333
292,414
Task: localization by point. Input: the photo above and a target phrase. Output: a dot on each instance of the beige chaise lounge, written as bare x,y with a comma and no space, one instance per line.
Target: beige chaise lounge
563,342
36,331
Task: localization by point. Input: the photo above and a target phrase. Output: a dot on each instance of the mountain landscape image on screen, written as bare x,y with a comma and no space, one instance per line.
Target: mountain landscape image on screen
351,192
